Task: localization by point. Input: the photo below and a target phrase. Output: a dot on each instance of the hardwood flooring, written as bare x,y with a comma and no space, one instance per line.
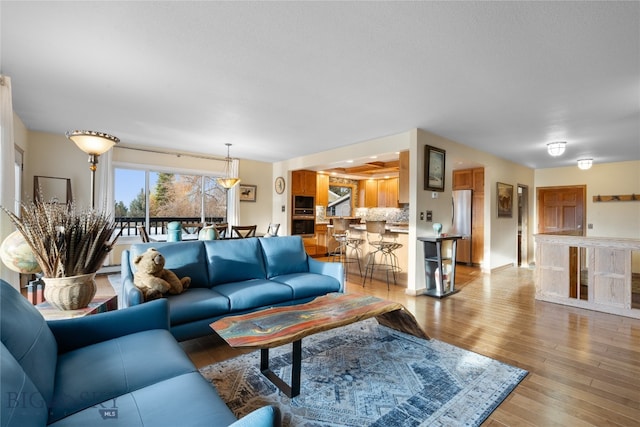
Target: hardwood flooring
584,366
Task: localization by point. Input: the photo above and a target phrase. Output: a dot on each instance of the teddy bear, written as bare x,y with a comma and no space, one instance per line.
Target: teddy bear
153,279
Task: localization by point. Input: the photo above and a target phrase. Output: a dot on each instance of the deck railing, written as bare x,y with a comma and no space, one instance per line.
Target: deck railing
158,224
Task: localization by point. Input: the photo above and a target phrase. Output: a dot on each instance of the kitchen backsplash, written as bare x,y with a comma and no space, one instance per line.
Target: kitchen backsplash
395,215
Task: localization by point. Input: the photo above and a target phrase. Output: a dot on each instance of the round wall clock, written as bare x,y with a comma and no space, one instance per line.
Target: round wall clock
279,185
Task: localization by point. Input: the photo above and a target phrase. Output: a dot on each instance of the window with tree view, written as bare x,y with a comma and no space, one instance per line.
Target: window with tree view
152,199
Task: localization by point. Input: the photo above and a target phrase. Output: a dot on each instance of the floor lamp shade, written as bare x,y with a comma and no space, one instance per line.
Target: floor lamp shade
93,143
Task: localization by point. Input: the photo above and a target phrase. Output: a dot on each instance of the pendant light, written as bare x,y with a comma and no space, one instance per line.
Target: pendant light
228,181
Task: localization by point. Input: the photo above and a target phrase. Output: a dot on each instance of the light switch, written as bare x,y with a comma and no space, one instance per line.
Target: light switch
421,216
429,216
282,208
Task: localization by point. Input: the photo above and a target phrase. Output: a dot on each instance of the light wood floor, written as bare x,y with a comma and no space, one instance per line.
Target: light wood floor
584,366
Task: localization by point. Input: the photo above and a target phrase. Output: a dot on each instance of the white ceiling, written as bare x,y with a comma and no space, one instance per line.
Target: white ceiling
280,80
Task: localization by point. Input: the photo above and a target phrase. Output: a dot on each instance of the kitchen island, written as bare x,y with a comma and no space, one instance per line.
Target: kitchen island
395,231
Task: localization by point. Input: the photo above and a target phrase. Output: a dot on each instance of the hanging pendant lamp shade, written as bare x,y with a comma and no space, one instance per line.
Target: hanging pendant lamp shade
228,181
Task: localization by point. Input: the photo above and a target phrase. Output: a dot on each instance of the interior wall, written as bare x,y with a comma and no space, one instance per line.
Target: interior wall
609,219
501,238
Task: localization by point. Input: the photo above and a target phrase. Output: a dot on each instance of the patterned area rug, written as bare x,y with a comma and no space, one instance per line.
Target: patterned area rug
365,374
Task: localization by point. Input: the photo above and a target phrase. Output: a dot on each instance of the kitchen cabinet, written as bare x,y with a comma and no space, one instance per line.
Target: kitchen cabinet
310,245
463,179
388,193
368,193
322,238
322,190
303,182
403,178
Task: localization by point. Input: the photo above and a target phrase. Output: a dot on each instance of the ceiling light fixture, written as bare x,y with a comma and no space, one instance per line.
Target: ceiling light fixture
93,143
556,148
228,181
585,164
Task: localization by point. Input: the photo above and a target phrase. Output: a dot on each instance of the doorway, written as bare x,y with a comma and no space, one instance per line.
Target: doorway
523,226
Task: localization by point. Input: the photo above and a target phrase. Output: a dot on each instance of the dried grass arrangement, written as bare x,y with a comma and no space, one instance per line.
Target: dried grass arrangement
66,241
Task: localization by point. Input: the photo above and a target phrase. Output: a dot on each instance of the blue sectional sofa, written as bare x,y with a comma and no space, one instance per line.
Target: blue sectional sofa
121,368
232,277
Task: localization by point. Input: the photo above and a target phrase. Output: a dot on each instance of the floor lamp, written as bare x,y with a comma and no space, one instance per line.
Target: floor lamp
93,143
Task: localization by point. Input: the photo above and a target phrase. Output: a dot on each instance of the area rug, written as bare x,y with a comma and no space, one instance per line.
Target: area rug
365,374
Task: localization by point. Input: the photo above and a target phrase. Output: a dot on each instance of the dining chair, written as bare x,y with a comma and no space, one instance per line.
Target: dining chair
272,230
243,231
144,236
222,229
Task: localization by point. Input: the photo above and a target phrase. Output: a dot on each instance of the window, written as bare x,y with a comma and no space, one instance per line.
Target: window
155,198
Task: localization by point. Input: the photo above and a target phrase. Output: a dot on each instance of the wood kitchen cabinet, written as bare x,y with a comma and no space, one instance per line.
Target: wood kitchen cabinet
322,190
388,193
403,178
462,179
322,238
368,193
303,182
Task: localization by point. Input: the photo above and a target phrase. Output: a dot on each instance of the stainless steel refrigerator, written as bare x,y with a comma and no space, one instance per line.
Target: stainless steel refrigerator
461,223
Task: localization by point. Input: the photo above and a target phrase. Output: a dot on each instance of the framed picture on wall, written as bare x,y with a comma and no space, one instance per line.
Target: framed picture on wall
504,197
248,192
434,168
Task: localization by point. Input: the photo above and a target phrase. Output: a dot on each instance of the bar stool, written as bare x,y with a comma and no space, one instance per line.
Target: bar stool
346,244
384,249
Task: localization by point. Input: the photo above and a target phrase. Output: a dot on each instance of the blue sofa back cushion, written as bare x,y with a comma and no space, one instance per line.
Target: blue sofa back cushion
234,260
26,335
183,258
284,255
21,403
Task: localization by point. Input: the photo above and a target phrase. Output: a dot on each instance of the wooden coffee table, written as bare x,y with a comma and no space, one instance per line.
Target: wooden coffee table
277,326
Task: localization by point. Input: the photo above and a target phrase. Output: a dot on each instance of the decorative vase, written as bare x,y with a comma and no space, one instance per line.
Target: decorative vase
437,228
70,293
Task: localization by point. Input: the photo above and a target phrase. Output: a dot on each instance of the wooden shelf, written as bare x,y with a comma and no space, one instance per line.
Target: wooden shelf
620,198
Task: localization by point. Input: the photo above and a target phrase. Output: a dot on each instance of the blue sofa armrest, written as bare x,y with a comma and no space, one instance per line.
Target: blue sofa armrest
71,334
333,269
130,295
267,416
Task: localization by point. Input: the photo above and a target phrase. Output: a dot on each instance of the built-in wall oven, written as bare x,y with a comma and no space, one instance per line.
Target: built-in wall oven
303,219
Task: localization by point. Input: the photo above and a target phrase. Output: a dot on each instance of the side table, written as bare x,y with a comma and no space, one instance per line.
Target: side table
434,262
99,304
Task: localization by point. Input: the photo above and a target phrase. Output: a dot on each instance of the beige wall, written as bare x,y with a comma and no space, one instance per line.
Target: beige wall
609,219
500,240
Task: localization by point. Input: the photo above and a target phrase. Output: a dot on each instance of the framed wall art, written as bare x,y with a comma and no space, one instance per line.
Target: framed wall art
248,192
504,197
434,161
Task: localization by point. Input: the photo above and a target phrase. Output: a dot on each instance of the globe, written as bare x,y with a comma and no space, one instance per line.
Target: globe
16,254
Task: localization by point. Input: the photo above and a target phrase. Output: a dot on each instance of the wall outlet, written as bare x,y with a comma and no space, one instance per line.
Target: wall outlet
282,208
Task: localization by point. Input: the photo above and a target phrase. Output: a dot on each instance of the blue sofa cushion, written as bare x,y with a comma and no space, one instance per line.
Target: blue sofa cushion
106,370
186,399
306,285
234,260
196,304
284,255
21,404
183,258
255,293
25,334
